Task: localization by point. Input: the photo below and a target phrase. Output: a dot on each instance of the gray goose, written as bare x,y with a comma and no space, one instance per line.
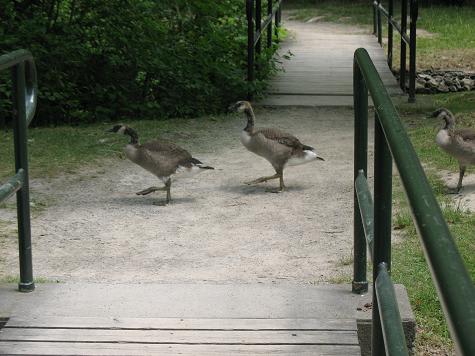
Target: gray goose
161,158
460,143
281,149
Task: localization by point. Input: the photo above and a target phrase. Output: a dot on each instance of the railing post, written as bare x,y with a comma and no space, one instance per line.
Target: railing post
402,64
269,28
380,27
414,12
258,26
375,18
382,224
278,19
21,162
250,46
360,97
390,33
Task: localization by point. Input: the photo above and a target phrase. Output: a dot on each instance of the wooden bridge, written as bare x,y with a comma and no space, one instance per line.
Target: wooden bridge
197,319
320,69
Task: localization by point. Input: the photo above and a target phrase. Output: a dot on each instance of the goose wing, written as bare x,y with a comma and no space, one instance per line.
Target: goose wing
281,137
468,135
165,156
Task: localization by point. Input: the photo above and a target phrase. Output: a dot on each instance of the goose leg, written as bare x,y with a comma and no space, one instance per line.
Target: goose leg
168,186
461,174
263,179
282,187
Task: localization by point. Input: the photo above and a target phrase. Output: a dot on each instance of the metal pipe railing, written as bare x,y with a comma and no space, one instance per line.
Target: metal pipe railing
255,28
452,281
390,318
25,90
378,11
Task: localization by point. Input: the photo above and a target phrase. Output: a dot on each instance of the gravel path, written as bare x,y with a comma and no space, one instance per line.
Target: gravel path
217,229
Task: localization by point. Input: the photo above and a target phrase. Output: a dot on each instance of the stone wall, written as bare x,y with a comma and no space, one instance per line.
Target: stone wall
431,82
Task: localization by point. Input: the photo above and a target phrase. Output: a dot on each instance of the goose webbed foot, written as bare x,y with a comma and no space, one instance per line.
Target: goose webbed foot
262,179
150,190
276,190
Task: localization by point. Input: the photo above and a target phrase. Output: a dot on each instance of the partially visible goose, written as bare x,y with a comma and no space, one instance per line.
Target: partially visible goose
458,143
281,149
161,158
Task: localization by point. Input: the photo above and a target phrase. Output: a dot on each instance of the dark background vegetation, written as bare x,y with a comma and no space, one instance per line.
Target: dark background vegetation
115,59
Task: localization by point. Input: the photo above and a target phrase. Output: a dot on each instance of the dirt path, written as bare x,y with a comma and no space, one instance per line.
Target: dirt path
217,229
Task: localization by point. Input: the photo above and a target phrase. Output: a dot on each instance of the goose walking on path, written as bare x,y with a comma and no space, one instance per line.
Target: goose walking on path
161,158
281,149
459,143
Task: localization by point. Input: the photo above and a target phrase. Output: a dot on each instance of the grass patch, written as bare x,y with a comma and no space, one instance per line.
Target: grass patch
409,266
348,12
71,150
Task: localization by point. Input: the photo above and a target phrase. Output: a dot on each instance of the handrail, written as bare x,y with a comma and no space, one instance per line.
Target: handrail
12,186
25,90
255,29
406,40
22,57
453,283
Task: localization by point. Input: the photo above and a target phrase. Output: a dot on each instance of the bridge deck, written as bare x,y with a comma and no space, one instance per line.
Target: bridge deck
187,319
320,70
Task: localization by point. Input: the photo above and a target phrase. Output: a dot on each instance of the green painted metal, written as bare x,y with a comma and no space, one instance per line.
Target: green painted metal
13,185
378,11
382,223
255,28
393,332
360,97
24,92
453,284
30,88
366,208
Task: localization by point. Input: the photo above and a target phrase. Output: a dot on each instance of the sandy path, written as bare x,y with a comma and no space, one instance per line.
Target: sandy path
217,229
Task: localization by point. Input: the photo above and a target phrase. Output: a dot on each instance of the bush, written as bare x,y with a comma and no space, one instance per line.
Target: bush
108,59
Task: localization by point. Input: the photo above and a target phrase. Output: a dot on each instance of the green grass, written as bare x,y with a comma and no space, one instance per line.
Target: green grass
409,266
70,150
349,12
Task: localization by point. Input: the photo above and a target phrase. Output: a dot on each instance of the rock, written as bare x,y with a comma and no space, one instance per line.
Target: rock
443,88
431,81
468,84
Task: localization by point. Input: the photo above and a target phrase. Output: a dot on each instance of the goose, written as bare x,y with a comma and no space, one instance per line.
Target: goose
281,149
460,143
161,158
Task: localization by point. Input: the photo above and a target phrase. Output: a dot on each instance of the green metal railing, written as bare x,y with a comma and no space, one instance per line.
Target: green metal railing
372,222
25,90
256,27
406,40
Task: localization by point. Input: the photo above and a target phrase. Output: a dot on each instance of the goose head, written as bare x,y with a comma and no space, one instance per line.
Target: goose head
244,106
446,115
240,106
125,130
120,129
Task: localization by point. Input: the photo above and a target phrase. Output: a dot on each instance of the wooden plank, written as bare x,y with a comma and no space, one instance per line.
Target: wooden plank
183,324
321,67
65,349
264,337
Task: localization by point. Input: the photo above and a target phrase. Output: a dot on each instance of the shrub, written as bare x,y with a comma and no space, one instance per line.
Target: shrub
103,59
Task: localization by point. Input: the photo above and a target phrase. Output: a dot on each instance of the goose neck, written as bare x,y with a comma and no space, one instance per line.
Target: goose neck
250,119
134,137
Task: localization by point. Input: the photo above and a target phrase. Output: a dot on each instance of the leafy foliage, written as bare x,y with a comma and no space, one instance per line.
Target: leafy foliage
101,59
